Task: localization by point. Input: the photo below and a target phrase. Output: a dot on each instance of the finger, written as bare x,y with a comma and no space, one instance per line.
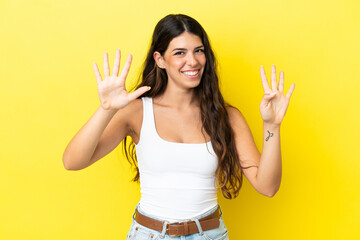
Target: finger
138,92
291,90
273,78
269,96
264,80
106,65
115,71
97,73
126,68
281,82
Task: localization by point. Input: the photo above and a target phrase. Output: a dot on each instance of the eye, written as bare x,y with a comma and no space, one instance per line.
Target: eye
178,53
200,50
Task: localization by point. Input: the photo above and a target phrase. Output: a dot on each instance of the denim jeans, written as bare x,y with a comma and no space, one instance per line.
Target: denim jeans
139,232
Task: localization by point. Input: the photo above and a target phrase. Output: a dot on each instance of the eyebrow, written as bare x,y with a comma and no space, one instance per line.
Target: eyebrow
186,49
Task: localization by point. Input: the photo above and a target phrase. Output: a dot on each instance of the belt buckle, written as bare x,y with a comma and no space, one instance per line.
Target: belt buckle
167,230
170,235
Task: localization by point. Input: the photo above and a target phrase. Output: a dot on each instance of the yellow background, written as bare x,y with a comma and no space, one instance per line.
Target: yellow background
48,91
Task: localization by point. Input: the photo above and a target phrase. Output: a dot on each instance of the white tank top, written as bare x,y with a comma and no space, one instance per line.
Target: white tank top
177,180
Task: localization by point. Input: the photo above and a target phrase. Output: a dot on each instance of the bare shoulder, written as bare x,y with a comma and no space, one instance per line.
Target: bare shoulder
236,118
134,115
125,118
247,151
134,106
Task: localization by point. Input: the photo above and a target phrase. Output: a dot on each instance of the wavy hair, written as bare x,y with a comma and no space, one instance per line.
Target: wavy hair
214,116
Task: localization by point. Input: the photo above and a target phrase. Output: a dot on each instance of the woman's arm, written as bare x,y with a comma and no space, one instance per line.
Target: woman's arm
110,124
82,146
269,172
264,170
249,156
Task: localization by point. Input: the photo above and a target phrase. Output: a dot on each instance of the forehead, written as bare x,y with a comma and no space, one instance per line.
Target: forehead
185,40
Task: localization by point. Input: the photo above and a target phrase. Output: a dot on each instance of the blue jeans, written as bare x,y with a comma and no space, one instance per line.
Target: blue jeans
139,232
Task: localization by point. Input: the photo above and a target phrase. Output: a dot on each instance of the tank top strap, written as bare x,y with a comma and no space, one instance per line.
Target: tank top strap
148,124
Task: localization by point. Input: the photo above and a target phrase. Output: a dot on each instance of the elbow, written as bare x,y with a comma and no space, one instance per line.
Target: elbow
73,163
68,167
270,193
66,162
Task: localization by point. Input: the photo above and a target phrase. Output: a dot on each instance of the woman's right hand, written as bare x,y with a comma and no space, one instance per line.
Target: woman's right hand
112,91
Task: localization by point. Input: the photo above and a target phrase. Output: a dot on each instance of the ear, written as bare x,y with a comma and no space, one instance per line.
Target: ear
159,60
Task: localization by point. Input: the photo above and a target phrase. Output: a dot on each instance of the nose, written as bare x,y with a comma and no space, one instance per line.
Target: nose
191,60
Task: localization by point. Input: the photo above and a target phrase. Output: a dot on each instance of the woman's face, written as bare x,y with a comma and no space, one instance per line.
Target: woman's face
184,60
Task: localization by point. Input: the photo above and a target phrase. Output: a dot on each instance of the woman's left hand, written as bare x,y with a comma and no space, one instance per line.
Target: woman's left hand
274,104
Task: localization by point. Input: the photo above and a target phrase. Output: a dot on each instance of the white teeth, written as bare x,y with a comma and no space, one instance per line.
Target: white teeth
191,73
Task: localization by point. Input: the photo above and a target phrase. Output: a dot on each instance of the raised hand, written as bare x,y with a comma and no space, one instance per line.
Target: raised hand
274,104
112,91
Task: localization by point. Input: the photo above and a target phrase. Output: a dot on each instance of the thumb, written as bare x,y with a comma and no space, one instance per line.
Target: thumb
269,95
138,92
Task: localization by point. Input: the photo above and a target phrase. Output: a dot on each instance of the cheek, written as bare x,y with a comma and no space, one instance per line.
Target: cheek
176,64
202,60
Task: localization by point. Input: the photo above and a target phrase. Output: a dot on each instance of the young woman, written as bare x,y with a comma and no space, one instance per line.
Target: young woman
189,143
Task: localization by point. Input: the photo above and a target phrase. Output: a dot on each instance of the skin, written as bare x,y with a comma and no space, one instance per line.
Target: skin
184,53
264,172
265,175
120,115
178,105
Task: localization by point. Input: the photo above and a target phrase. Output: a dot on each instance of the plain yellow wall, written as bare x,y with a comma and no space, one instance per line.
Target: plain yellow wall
48,91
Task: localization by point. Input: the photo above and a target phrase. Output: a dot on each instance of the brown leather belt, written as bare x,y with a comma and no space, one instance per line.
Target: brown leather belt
180,229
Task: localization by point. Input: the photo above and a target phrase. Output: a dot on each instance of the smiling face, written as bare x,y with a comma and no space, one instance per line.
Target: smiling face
184,60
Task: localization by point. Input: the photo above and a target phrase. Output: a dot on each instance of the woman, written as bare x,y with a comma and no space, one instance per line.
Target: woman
189,142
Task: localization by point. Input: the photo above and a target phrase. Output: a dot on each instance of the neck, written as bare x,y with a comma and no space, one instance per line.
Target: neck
178,98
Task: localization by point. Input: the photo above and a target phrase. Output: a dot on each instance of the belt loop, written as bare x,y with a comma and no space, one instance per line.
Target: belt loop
198,225
220,210
135,211
186,228
162,235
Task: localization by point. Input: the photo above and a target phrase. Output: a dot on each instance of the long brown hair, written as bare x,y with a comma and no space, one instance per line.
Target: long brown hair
214,115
